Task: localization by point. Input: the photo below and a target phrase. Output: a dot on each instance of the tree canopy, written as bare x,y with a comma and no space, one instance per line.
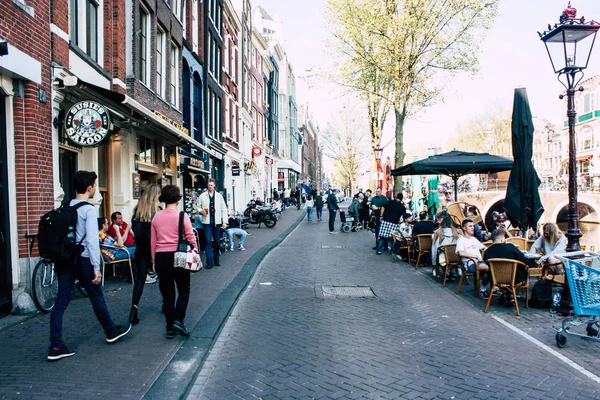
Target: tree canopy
400,54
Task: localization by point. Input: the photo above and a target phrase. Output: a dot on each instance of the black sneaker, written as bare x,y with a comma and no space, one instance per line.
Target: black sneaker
63,352
180,328
119,333
171,334
591,331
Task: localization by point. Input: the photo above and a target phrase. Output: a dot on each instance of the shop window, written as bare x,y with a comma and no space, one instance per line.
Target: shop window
103,180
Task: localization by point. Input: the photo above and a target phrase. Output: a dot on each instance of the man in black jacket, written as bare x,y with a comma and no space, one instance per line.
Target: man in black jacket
333,208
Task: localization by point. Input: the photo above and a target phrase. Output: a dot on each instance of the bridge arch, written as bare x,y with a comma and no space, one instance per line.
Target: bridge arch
584,208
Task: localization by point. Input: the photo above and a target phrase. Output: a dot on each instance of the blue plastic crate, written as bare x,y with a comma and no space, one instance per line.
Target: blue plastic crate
584,284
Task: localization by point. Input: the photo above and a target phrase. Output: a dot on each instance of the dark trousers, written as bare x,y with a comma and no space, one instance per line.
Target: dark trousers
140,270
319,212
213,234
168,277
377,227
66,279
332,220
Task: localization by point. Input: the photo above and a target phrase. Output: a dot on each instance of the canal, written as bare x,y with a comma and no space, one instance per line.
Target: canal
590,231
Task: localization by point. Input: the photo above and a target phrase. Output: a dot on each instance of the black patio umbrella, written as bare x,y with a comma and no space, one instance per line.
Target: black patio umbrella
522,202
455,164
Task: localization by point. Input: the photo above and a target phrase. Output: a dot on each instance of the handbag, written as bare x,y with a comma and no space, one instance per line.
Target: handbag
185,253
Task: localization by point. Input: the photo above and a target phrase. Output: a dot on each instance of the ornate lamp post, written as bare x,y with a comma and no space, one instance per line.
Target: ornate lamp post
378,151
569,44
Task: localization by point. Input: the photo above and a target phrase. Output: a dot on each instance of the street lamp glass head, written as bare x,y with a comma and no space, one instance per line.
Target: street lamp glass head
378,150
570,44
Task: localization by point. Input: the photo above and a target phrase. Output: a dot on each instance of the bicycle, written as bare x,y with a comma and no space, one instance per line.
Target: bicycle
44,282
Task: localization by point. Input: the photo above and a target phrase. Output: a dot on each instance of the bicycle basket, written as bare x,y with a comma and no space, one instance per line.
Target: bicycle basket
584,284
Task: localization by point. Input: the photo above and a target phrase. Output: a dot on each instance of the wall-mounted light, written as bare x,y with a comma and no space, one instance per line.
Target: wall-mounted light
136,162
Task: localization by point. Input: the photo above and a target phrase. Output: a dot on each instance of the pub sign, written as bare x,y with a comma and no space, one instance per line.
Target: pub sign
87,124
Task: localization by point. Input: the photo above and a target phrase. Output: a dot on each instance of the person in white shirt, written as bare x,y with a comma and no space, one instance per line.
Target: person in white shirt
406,226
468,248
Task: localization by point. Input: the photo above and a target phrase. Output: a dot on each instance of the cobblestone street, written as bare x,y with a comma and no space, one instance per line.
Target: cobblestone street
414,340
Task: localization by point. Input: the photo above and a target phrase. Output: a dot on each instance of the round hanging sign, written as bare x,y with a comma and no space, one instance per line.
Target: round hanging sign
87,124
269,161
256,151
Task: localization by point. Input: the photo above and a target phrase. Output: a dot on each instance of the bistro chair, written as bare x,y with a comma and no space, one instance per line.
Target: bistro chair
522,243
451,260
466,274
401,244
503,272
106,261
425,242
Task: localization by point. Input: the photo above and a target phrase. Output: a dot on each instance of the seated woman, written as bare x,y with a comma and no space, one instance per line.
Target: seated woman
552,241
445,234
110,254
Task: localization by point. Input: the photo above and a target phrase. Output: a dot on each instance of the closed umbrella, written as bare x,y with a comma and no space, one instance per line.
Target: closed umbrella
522,203
433,199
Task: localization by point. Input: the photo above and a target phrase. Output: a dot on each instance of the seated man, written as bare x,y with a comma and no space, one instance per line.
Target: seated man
111,254
406,226
233,228
478,233
501,249
423,226
467,246
124,229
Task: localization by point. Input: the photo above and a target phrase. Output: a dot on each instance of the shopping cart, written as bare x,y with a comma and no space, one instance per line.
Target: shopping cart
583,277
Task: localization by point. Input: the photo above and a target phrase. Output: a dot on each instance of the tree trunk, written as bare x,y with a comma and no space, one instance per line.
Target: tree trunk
399,157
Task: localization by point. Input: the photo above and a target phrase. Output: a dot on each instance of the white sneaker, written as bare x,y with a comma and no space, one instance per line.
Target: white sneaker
150,279
231,248
242,248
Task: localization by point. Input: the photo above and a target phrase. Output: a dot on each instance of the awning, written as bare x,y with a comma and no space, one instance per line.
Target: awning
288,164
122,100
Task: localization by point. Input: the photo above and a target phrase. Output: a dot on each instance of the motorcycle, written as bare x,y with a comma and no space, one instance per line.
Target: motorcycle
256,214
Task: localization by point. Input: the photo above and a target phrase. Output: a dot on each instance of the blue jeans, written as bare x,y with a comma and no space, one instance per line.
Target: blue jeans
66,279
381,243
238,232
319,212
212,232
309,212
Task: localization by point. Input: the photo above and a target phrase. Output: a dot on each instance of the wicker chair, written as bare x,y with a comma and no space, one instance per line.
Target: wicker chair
400,243
114,262
503,272
522,243
425,242
452,260
466,274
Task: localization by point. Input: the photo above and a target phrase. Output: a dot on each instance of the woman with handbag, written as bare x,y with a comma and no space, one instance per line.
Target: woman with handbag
143,213
164,244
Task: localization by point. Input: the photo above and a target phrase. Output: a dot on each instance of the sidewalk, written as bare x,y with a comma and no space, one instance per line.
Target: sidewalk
415,339
129,368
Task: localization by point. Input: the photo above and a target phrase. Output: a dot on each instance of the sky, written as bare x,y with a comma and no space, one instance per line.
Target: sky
511,56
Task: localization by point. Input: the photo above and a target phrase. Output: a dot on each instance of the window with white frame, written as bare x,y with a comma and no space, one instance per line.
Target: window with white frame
161,62
234,64
227,117
195,37
587,103
253,97
246,78
144,36
83,26
226,54
176,8
174,75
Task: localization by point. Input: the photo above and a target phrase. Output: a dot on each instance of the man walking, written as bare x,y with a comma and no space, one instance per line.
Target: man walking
333,208
86,266
213,209
377,203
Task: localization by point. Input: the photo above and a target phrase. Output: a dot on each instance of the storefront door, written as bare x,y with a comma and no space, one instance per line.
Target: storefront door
67,168
5,270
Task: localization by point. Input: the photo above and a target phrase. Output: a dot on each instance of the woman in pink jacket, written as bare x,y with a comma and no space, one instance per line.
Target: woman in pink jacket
164,239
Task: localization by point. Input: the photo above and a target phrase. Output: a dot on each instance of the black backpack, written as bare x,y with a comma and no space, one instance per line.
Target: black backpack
541,295
57,233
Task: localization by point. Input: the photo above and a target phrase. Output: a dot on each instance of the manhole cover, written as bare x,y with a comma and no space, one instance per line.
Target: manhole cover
332,292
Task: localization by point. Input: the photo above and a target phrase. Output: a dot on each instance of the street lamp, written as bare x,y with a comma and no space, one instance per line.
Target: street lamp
569,44
377,150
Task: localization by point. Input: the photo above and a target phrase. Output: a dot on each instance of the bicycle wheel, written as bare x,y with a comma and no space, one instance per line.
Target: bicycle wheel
44,285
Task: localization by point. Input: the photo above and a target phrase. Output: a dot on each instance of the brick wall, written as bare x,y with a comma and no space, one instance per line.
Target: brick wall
32,119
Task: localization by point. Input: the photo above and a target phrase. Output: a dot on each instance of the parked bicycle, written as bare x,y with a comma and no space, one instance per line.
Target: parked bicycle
44,282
